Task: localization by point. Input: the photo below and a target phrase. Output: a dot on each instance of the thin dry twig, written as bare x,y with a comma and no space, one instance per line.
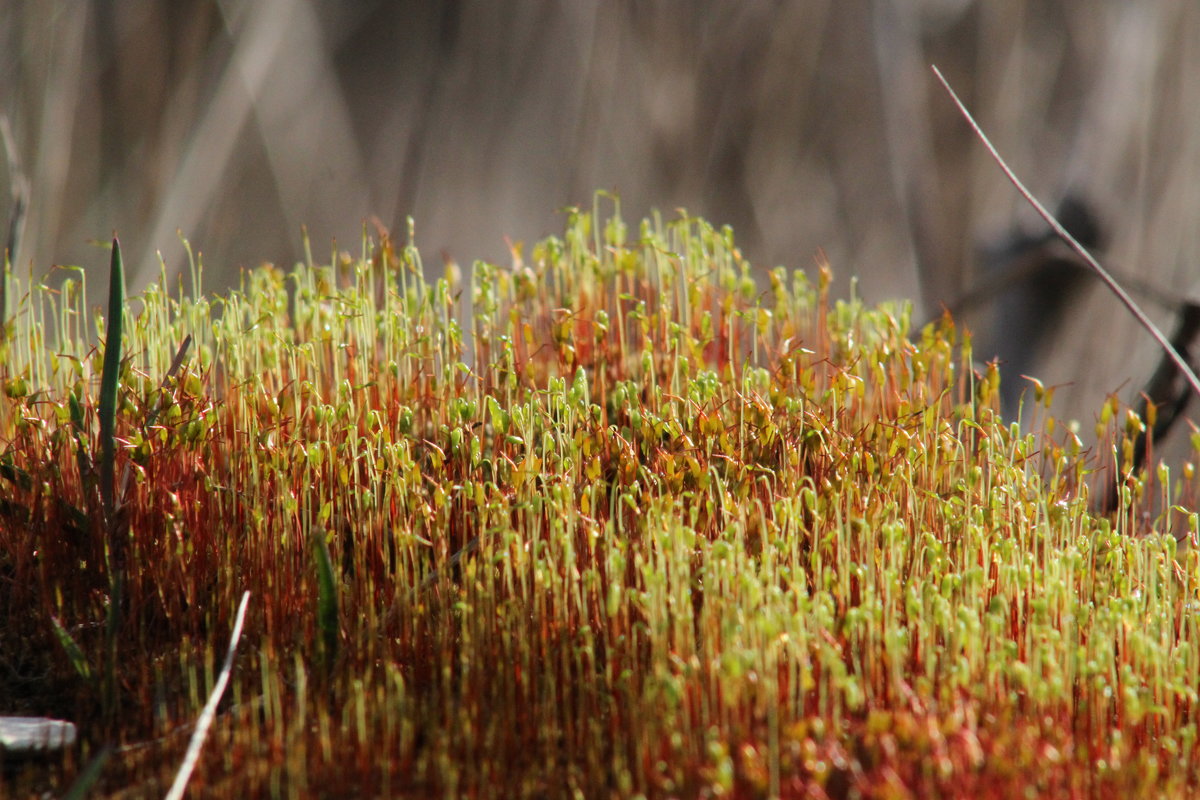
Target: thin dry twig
1180,362
210,708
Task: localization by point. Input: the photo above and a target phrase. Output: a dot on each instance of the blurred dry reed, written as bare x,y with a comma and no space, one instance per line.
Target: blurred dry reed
804,125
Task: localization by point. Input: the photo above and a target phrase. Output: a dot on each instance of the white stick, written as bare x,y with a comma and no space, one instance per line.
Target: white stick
210,708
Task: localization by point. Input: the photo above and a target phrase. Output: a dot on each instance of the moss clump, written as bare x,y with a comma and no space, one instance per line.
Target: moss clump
636,521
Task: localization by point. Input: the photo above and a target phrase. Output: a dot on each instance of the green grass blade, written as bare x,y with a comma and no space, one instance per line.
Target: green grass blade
110,377
327,598
88,777
78,660
14,474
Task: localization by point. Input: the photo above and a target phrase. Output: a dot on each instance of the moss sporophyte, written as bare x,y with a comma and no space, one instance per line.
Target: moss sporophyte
645,521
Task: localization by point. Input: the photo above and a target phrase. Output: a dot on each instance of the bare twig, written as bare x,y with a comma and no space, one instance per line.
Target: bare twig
176,363
1180,362
210,708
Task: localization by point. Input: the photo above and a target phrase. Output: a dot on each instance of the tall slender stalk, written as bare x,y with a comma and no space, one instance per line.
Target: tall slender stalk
114,545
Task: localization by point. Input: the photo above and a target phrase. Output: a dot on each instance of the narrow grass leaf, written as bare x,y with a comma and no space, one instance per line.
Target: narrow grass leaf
110,378
327,598
91,773
14,474
74,653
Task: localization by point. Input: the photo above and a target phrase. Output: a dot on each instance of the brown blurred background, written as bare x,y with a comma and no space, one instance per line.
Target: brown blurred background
805,125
